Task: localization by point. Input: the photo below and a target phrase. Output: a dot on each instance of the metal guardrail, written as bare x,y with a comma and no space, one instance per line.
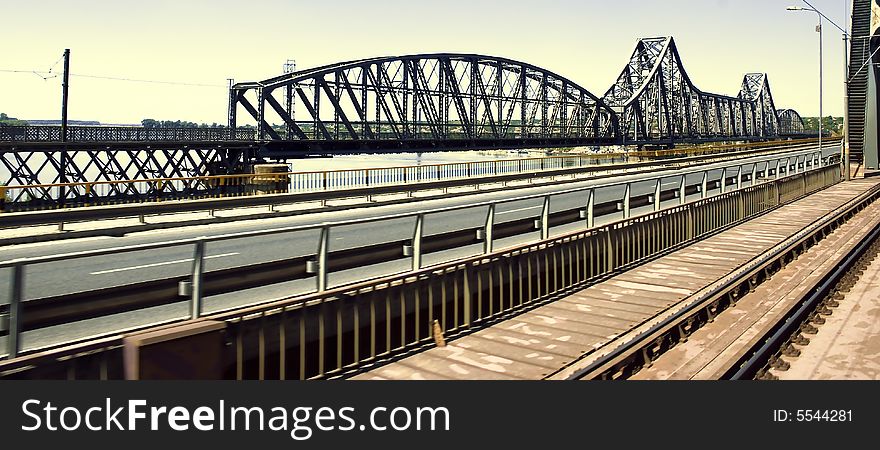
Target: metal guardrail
325,261
36,133
340,330
87,193
337,332
337,184
707,304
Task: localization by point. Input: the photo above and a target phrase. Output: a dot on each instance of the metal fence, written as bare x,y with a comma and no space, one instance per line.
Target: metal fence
340,331
122,134
76,194
372,319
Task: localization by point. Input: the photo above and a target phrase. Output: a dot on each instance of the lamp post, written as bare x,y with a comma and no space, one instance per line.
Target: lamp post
845,169
819,30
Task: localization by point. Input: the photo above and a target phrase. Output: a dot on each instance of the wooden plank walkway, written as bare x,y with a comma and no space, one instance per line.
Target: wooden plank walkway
540,342
716,347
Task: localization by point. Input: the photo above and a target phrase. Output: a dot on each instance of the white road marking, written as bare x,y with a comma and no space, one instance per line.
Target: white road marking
146,266
518,210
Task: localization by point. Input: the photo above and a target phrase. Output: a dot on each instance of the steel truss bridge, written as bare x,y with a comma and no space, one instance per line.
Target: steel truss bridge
427,102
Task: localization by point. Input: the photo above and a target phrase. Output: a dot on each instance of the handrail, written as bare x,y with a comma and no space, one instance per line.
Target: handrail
611,155
356,221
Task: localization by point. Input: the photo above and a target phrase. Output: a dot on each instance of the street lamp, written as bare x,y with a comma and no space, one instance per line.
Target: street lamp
845,149
818,30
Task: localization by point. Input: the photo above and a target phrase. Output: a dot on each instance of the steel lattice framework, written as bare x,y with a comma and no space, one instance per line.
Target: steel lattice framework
790,122
657,102
426,101
86,163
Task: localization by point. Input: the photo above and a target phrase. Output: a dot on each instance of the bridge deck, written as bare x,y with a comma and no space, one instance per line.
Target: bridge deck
541,342
716,347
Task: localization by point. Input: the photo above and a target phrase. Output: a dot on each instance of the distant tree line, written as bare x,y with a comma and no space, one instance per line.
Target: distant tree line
11,121
830,124
152,123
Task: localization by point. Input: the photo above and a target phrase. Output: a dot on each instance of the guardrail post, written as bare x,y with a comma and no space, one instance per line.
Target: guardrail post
591,214
16,293
626,201
417,242
704,185
682,193
487,230
690,225
657,194
323,249
466,300
776,174
545,218
198,269
754,174
723,179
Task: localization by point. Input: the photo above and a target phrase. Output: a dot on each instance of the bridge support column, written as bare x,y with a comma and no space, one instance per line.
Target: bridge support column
191,350
269,179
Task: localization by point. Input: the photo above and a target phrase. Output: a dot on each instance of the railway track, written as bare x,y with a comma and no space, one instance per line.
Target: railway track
778,303
792,334
619,325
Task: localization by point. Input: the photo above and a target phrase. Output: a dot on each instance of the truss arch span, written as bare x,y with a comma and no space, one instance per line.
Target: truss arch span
424,99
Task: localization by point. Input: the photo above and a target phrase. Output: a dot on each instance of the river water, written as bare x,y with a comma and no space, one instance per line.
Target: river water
418,159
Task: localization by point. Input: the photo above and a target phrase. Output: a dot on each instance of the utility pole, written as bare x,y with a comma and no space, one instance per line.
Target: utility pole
65,84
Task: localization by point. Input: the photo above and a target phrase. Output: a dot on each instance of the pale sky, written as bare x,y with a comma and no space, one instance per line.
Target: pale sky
206,42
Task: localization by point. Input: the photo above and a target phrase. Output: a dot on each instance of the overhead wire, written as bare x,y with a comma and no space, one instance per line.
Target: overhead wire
105,77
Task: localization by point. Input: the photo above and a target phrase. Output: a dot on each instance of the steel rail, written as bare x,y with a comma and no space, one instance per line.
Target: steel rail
758,356
729,284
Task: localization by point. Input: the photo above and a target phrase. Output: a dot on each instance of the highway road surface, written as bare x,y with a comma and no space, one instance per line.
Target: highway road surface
64,277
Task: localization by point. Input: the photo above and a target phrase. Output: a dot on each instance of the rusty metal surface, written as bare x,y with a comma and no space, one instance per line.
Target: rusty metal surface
553,334
711,350
847,345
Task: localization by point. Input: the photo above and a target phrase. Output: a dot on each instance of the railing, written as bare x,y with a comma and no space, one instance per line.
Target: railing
394,315
49,196
619,239
122,134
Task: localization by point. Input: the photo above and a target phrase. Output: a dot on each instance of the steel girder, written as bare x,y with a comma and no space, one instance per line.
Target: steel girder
756,89
790,122
426,101
41,164
656,101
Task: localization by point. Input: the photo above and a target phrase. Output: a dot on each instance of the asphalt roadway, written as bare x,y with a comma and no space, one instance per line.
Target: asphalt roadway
64,277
